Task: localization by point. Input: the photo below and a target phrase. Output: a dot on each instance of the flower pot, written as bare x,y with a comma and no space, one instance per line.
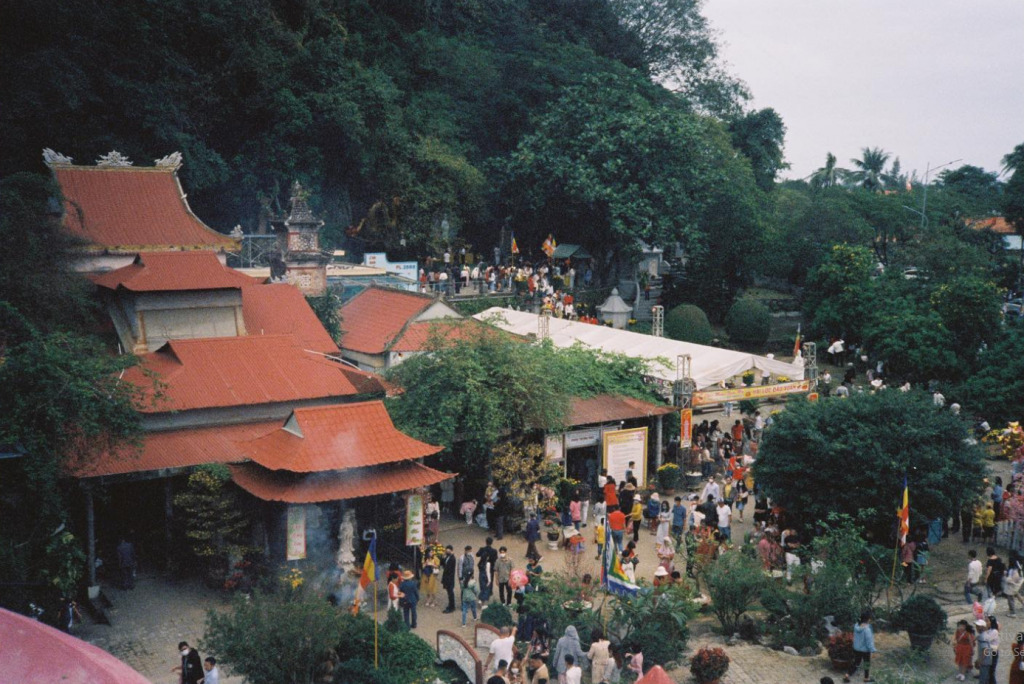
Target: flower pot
670,491
840,665
553,536
921,642
553,545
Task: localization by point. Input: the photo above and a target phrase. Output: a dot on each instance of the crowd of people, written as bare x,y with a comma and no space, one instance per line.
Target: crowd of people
543,278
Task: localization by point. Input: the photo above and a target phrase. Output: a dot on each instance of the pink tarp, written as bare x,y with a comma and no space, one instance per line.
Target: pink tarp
34,653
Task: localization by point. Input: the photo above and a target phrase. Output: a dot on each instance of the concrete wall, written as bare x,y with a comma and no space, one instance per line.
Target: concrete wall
144,322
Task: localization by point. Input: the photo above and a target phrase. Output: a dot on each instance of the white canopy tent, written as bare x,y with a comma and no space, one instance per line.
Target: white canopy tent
709,365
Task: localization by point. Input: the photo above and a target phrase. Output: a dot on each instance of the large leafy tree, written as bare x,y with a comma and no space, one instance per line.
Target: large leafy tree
760,136
834,299
969,308
979,190
850,456
1013,200
995,391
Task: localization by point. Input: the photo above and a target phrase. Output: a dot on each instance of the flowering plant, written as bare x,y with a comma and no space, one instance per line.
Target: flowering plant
709,664
293,579
668,476
840,646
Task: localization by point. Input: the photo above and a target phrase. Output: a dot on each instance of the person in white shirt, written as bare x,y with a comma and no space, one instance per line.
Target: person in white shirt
501,649
974,570
212,675
711,489
573,673
724,519
758,426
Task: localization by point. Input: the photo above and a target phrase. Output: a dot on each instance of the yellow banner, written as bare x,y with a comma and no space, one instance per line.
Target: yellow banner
705,397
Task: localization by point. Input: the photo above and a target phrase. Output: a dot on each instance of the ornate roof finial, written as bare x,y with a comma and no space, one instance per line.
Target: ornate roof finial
237,232
51,158
173,160
300,213
113,158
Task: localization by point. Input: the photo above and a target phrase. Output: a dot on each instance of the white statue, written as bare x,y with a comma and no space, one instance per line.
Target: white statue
346,541
173,160
51,158
113,158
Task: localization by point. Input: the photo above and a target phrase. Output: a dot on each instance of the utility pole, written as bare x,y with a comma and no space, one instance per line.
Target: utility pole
924,200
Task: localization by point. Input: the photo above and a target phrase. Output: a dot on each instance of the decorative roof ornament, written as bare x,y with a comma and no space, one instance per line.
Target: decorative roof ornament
172,160
299,213
113,158
236,232
51,158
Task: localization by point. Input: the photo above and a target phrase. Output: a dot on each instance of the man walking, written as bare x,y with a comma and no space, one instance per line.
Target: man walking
532,536
487,558
409,596
678,518
191,668
617,526
126,563
448,573
974,570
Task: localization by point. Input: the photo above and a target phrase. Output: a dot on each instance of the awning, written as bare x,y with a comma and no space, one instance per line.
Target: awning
570,252
335,485
606,407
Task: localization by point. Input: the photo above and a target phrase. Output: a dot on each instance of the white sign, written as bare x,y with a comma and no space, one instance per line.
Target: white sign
553,448
414,520
408,269
622,447
296,534
582,438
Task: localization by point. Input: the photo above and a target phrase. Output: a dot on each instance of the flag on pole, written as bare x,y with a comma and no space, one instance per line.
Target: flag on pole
904,514
515,247
796,345
369,575
613,577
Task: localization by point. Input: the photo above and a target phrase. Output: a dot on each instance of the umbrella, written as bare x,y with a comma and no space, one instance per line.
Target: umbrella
518,578
35,653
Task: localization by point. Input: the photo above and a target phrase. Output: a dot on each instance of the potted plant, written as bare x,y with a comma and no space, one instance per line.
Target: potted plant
709,665
668,477
840,651
923,618
748,378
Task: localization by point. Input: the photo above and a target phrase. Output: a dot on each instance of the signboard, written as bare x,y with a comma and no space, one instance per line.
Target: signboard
754,392
414,520
408,269
553,448
295,541
813,396
623,446
582,438
686,428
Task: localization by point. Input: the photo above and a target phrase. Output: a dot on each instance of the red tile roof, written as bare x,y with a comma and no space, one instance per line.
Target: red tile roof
349,484
237,371
997,224
176,449
375,317
174,271
418,336
606,407
129,208
334,438
279,309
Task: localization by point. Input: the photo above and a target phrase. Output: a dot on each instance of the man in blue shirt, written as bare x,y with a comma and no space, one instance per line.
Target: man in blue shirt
678,517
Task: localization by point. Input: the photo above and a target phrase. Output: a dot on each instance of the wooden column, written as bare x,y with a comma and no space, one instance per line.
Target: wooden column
168,519
90,527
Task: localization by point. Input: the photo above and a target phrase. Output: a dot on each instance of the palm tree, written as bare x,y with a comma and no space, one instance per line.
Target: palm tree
829,175
869,170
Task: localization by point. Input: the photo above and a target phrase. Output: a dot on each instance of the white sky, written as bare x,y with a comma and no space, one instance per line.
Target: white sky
927,80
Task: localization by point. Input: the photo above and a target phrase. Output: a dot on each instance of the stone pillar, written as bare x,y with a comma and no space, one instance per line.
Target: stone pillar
658,441
168,519
90,531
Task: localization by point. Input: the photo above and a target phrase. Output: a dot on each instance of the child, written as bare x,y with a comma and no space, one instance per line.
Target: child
963,649
469,598
863,647
599,532
467,509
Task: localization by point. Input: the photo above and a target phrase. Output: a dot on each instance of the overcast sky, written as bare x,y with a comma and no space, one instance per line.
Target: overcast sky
928,80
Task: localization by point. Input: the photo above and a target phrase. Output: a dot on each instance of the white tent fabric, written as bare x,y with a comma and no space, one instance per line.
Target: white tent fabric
709,365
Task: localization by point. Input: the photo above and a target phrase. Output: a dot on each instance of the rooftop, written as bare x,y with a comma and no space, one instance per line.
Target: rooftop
132,208
174,271
375,317
281,309
238,371
997,224
332,486
334,438
418,336
606,407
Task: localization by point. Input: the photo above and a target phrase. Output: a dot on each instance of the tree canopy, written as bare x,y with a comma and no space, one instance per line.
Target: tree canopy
850,456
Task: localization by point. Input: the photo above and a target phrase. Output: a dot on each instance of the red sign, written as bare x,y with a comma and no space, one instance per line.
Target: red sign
686,428
813,396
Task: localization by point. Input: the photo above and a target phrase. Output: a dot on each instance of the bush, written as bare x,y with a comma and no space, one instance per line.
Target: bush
496,615
654,625
748,323
735,582
840,646
668,476
709,664
688,323
921,615
549,605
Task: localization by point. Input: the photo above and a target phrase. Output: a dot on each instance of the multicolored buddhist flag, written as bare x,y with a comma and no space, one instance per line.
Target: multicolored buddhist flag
369,575
515,247
613,577
904,514
796,345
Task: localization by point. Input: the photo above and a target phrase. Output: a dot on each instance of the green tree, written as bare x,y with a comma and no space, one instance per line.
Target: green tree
735,581
970,309
760,136
979,189
688,323
215,520
869,170
749,323
995,389
850,456
828,176
326,307
833,300
1013,201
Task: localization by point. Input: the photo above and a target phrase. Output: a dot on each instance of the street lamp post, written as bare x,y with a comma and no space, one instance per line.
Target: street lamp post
924,200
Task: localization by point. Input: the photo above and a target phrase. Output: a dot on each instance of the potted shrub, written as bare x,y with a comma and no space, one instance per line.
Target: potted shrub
668,477
923,618
840,651
709,665
748,378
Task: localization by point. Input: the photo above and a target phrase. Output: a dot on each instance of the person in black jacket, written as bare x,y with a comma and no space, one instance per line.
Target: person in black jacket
191,667
448,577
488,557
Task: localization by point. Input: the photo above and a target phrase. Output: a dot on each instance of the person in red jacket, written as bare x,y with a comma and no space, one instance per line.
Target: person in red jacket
611,494
616,525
